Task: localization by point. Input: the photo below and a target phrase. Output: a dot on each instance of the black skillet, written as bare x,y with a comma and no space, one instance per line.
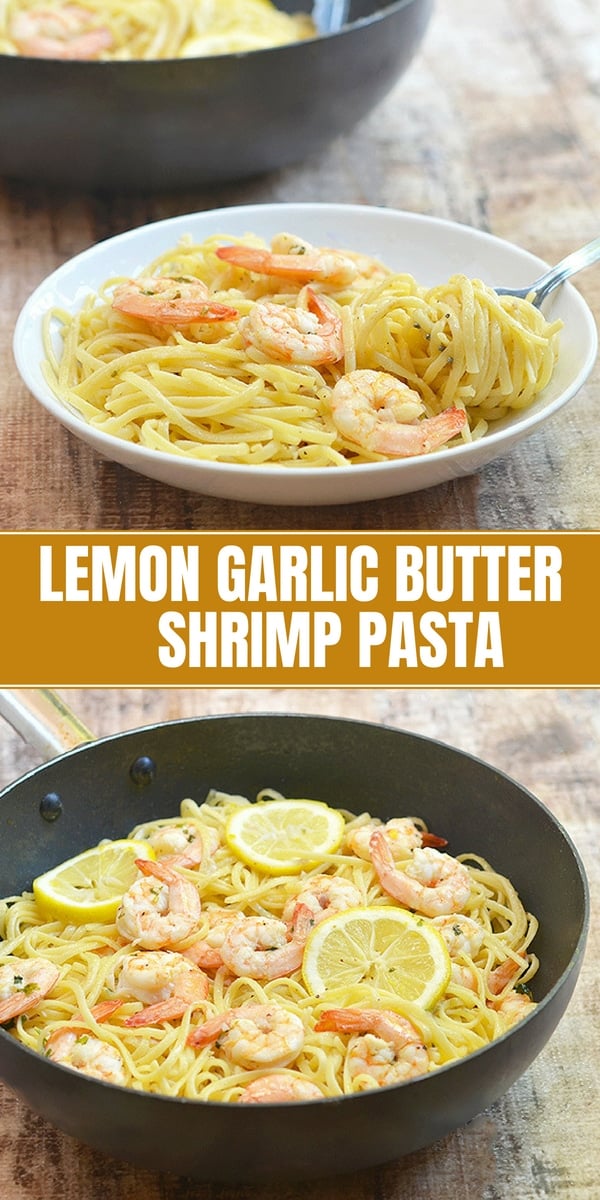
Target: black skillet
104,788
188,122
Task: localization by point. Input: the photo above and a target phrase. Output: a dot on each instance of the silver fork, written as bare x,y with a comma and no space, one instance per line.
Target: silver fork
330,15
556,275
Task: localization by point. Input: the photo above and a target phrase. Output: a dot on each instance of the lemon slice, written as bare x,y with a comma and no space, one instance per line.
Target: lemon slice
89,887
386,948
284,837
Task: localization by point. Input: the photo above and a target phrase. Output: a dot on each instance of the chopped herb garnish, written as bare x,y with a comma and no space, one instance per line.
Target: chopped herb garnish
523,990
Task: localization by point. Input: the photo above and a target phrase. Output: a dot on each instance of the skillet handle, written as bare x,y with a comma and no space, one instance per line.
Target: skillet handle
43,720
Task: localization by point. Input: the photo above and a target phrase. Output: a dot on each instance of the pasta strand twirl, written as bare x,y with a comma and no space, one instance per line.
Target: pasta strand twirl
263,383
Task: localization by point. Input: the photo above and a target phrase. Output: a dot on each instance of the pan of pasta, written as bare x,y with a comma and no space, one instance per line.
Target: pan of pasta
162,94
302,353
320,942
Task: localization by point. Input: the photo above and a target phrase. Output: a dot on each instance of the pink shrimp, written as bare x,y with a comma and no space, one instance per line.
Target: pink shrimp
74,1046
280,1088
502,975
159,911
430,882
464,938
166,300
254,1035
388,1049
66,32
184,843
512,1007
311,335
23,983
294,259
166,983
323,895
205,952
403,834
261,947
380,413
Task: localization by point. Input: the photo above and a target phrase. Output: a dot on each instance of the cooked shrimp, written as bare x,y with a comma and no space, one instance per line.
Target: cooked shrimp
184,844
67,32
311,335
23,983
388,1050
74,1046
462,935
464,938
323,895
380,413
167,300
280,1089
254,1035
513,1007
292,258
503,974
158,911
206,952
166,983
430,882
261,947
402,833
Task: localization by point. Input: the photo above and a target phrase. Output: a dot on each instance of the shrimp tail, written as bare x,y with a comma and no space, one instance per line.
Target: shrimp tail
262,262
15,1006
341,1020
158,870
330,322
181,860
431,839
503,974
214,311
154,1014
302,923
204,1034
206,957
23,1000
105,1009
443,427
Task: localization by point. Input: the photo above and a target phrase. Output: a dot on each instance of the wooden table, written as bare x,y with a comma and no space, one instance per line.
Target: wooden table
496,124
540,1140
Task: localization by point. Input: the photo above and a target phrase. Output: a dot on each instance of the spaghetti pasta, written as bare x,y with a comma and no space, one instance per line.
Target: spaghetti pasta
230,1029
295,356
125,30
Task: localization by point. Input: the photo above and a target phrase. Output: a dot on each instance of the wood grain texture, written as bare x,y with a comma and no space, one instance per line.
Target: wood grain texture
537,1143
496,124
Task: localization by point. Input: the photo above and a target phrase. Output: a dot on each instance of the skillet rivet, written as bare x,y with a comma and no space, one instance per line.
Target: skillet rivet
143,770
51,806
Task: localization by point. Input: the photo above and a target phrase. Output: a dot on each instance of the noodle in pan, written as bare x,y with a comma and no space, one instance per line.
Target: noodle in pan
291,355
124,30
219,1004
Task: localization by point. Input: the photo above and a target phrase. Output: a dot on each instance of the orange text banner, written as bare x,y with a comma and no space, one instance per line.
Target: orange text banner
307,609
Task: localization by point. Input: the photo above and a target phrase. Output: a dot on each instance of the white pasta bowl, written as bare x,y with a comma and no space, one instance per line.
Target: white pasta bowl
428,248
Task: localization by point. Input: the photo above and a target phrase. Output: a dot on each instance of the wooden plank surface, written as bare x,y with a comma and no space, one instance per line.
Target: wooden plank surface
496,124
537,1143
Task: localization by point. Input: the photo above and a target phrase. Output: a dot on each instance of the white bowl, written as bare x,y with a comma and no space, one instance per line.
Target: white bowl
428,248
